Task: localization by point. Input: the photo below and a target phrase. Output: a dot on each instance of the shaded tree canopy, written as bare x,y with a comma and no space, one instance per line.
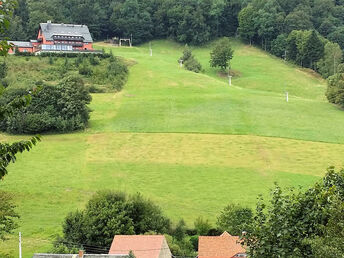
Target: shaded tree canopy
108,214
294,222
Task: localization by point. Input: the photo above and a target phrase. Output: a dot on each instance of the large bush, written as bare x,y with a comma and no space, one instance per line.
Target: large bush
288,225
108,214
59,108
235,219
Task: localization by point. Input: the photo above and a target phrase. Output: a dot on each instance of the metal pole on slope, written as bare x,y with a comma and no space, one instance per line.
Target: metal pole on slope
229,79
20,247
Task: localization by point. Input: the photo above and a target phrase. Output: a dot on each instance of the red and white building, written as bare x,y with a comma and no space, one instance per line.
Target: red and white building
54,37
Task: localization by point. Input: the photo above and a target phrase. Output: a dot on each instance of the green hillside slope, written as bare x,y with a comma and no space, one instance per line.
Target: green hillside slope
187,141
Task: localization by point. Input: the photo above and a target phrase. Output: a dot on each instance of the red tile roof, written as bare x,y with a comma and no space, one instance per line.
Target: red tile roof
224,246
143,246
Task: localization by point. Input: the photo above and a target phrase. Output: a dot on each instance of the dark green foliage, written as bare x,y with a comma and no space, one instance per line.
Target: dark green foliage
111,213
8,151
305,48
94,60
235,219
79,60
193,65
289,223
179,232
3,70
202,226
8,215
189,61
60,108
85,68
194,21
331,243
333,56
65,67
187,53
51,60
246,23
337,36
181,248
18,53
117,73
335,88
73,55
221,54
131,254
8,111
314,50
279,46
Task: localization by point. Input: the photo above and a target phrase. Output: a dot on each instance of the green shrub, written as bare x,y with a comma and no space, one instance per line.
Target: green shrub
117,73
94,60
189,61
109,213
5,82
193,65
85,69
3,70
61,108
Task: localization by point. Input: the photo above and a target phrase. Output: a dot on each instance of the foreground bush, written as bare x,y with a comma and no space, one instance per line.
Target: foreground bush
300,224
108,214
60,108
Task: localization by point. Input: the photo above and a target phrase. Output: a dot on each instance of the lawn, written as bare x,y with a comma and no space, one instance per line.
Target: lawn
187,141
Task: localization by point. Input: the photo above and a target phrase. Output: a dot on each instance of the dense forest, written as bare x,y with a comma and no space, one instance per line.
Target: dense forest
187,21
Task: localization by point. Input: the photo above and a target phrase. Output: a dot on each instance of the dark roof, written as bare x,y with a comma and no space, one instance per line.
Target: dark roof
54,29
21,43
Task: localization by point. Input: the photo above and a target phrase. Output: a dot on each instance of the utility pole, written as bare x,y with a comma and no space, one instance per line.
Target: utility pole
131,39
287,96
20,246
150,49
229,79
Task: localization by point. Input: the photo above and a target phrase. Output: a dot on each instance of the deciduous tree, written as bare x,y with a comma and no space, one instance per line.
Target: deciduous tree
221,54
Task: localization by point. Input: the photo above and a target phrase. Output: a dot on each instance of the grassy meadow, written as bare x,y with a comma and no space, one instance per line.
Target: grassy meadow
188,141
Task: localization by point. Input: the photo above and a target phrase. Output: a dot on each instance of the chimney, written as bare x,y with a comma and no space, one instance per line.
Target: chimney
81,254
48,24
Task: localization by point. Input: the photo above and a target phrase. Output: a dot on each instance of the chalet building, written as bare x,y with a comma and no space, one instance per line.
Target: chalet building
53,37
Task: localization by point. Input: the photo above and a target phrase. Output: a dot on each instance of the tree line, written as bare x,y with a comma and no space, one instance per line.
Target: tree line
186,21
